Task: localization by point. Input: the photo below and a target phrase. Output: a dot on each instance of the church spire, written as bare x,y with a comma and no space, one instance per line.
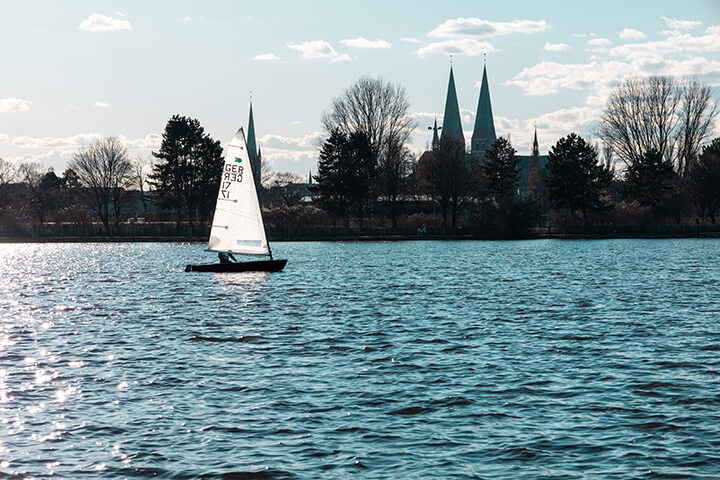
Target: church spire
484,132
535,149
452,124
435,140
253,151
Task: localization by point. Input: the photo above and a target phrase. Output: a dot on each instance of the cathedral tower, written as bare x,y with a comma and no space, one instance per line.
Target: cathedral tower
484,132
452,124
253,151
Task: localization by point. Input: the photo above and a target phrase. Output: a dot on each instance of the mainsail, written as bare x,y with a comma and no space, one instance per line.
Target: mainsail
237,226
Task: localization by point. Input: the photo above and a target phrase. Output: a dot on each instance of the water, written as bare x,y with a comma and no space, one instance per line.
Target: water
538,359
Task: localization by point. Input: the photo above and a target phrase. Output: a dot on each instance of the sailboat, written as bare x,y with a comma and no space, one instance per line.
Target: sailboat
237,225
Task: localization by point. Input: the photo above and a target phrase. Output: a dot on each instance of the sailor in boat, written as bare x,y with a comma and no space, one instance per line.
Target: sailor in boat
225,257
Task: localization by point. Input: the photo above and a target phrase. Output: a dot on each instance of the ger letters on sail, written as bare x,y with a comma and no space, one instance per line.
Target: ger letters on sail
237,225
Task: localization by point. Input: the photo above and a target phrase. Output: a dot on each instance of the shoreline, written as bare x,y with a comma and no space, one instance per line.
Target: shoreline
368,238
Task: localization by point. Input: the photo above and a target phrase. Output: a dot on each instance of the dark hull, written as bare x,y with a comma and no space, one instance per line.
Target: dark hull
258,266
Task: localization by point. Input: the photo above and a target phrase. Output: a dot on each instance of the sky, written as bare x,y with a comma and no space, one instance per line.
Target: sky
78,70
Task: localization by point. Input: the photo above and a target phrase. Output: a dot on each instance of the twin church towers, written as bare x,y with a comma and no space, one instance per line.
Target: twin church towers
484,131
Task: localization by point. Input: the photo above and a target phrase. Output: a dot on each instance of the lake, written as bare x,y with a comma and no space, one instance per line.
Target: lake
518,359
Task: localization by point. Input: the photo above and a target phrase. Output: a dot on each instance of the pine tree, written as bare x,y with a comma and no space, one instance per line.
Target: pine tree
187,178
651,180
501,172
345,172
576,180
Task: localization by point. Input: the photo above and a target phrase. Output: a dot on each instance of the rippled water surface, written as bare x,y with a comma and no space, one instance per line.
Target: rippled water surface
538,359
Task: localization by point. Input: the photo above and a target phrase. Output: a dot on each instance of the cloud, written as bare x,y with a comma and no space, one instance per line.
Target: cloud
101,104
265,57
14,105
551,126
4,138
73,141
676,24
556,47
318,50
598,45
475,27
674,44
361,42
296,122
102,23
465,46
713,29
150,141
410,40
290,143
56,151
630,33
598,78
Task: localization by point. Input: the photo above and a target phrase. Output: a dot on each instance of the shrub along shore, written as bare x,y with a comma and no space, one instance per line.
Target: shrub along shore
163,232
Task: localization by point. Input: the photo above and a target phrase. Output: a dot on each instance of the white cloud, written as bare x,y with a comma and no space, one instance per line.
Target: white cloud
674,44
547,78
318,50
266,57
598,44
56,151
465,46
475,27
361,42
556,47
74,141
296,122
631,34
102,23
150,141
119,13
14,105
676,24
551,126
598,78
713,29
4,138
290,143
99,104
410,40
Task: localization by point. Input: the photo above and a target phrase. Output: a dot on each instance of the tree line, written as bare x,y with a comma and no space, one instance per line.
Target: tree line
657,163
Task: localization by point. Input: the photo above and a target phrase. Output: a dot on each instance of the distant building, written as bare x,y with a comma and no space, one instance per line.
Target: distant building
253,151
484,130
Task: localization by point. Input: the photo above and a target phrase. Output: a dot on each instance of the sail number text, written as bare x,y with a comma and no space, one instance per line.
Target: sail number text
232,173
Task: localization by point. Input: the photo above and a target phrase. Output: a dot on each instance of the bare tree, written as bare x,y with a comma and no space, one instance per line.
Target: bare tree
287,187
697,112
639,116
395,164
446,176
42,188
104,170
7,172
140,178
659,114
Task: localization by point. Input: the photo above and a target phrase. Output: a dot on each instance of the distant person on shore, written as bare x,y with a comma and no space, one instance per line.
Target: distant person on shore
226,257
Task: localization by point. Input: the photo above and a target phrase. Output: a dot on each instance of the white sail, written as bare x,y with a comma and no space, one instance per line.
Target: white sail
237,226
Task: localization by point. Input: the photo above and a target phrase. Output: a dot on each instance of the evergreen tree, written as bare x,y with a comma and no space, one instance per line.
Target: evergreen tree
576,180
345,172
651,180
187,178
447,177
704,181
501,171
